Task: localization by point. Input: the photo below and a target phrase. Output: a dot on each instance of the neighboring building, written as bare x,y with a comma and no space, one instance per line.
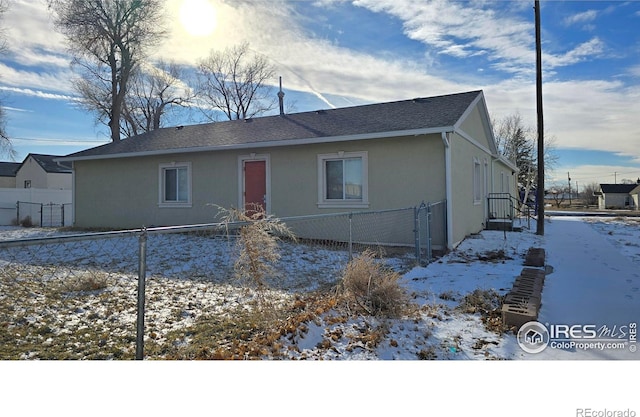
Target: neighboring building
616,196
8,172
43,172
370,157
635,196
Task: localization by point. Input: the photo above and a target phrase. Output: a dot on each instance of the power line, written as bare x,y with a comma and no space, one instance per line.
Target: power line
57,140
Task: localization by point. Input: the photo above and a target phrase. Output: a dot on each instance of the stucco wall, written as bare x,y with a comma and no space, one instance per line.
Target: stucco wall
123,193
31,171
468,215
474,126
503,179
59,181
615,200
7,182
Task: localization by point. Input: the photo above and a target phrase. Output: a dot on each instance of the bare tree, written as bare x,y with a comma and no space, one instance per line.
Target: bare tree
627,181
516,142
234,82
108,40
558,195
154,90
588,193
6,146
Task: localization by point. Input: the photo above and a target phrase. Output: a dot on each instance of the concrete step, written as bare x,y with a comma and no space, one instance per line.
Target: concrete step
514,315
535,257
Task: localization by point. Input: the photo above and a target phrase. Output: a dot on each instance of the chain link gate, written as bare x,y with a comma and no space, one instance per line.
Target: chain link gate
40,214
427,216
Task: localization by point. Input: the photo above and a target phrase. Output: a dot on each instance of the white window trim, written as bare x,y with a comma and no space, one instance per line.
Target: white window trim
502,182
322,201
174,204
485,179
477,182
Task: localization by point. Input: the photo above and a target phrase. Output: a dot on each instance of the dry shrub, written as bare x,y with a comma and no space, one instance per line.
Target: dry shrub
26,222
487,303
481,301
84,283
258,249
371,287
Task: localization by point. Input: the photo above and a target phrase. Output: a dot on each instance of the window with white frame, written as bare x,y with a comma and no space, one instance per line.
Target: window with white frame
175,185
504,182
342,179
477,181
485,178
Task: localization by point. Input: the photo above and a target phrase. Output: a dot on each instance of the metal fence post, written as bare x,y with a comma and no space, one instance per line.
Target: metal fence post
41,213
416,232
17,213
429,234
350,236
142,276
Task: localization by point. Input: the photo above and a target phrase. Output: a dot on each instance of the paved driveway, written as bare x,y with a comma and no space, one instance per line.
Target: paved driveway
592,283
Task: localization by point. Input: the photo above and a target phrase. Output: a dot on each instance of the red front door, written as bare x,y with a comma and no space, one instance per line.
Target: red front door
255,185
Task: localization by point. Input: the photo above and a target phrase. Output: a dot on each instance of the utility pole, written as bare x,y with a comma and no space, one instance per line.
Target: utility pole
569,178
540,190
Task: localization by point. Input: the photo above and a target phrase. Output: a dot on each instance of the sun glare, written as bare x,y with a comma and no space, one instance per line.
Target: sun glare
198,17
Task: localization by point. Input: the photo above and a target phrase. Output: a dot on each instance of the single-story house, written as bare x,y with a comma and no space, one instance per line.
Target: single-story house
360,158
615,196
8,172
44,172
635,196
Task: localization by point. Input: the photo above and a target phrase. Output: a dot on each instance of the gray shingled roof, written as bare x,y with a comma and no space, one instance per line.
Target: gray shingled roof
358,121
9,169
617,188
48,163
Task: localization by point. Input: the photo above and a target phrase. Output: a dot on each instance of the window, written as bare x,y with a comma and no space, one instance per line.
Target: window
504,182
485,178
477,182
175,185
27,183
343,180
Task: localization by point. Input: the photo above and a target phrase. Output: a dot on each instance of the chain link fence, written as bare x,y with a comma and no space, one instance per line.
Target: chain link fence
104,295
43,215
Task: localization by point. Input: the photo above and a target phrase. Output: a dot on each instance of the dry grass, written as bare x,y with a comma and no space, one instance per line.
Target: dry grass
488,304
370,287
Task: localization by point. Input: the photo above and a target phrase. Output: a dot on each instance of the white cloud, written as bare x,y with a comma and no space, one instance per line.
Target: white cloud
29,27
306,63
580,53
588,174
39,94
581,115
462,29
583,17
33,79
634,70
17,110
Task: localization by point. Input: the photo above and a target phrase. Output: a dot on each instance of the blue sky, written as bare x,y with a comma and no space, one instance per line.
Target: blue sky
335,53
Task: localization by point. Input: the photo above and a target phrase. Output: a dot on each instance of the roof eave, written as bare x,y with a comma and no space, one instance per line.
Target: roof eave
260,145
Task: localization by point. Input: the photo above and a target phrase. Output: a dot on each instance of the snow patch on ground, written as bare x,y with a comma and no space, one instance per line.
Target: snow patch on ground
439,329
